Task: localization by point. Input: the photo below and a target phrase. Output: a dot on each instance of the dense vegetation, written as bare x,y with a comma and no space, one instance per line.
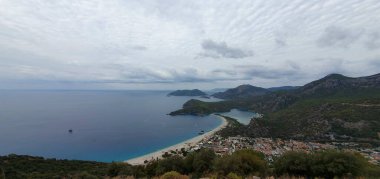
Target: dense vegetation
356,118
193,92
326,164
21,166
233,129
203,163
339,105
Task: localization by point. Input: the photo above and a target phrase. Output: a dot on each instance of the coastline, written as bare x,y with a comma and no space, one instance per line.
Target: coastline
185,144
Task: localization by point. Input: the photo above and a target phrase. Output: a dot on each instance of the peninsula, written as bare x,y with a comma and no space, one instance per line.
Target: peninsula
193,92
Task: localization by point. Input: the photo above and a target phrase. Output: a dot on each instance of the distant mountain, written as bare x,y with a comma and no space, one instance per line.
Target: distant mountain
193,92
335,107
283,88
336,82
242,91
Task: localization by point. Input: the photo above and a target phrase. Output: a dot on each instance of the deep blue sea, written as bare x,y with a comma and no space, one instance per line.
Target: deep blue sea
107,125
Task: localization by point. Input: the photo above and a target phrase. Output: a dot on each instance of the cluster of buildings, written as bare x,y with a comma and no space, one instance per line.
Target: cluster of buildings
276,147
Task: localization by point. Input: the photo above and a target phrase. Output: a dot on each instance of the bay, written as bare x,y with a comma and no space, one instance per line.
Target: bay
106,125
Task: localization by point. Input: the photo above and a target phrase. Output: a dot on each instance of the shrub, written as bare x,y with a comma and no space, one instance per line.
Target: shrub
233,176
200,163
332,163
244,162
326,164
293,163
84,175
174,163
173,175
2,174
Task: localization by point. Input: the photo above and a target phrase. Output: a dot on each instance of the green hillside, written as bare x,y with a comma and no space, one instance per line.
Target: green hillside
335,106
203,163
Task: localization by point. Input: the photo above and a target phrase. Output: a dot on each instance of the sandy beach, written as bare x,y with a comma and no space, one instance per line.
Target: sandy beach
185,144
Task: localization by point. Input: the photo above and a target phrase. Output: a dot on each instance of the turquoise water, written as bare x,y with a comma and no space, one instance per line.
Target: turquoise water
107,125
243,117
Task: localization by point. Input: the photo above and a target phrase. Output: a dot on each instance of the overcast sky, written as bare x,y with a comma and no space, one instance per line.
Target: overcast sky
169,44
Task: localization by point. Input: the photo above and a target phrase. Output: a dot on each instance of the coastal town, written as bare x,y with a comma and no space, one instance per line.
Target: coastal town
272,148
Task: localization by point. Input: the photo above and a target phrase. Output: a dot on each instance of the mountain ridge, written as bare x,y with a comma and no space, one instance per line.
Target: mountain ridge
241,91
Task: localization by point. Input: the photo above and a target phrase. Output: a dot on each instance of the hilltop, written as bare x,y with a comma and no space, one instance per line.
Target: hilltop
242,91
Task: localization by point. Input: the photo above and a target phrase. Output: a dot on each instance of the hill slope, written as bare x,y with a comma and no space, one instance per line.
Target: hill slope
283,88
242,91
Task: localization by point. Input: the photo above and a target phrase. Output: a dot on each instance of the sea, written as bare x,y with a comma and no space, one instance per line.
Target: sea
244,117
90,125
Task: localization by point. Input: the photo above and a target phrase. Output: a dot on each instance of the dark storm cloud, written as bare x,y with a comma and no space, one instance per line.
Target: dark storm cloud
214,49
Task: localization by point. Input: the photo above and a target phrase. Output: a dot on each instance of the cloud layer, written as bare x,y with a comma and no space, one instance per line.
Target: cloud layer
335,36
171,44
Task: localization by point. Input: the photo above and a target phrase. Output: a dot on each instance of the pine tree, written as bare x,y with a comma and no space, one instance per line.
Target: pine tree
2,174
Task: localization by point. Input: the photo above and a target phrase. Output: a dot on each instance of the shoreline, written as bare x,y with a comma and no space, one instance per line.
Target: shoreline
184,144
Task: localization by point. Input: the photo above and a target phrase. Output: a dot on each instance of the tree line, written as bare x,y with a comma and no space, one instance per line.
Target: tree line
203,163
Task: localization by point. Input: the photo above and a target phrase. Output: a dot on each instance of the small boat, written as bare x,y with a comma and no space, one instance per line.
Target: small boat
70,131
202,132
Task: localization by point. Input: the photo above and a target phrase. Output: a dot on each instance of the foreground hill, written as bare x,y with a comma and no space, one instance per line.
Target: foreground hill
203,163
335,107
193,92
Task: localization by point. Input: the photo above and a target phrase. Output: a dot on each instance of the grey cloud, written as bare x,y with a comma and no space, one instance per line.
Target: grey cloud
224,72
209,55
268,73
280,37
190,75
280,42
248,72
338,37
152,75
375,63
373,41
141,48
293,64
214,49
331,65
